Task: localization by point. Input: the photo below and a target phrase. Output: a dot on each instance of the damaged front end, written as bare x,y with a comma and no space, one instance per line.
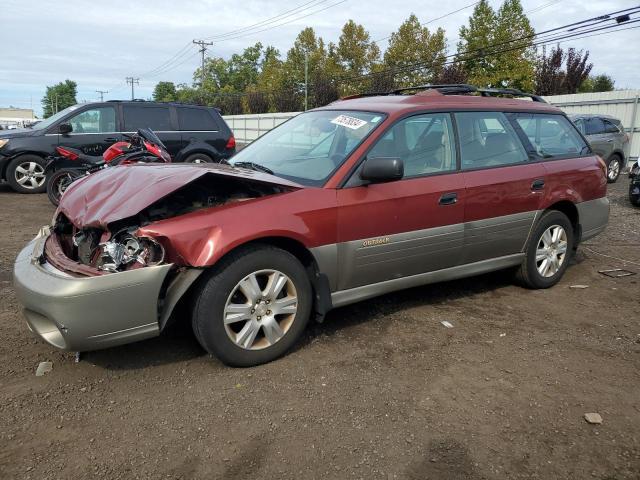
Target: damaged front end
95,279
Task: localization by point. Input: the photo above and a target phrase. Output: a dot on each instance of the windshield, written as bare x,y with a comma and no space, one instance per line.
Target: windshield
150,136
54,118
310,147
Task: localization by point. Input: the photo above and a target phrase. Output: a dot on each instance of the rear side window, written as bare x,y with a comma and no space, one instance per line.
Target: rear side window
594,126
610,127
196,119
551,135
155,118
487,139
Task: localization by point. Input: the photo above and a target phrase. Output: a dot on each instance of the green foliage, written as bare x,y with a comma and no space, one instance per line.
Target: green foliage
413,43
489,58
598,83
165,92
58,97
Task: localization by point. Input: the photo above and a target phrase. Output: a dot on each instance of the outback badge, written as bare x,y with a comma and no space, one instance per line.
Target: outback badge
375,241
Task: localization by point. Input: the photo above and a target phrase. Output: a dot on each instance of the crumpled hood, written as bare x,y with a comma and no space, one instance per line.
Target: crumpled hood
120,192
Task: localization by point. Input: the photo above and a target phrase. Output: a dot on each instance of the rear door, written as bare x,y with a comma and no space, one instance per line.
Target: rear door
199,125
156,117
600,141
409,226
94,129
504,190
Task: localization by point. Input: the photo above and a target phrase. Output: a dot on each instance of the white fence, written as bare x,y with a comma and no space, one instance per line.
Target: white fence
622,104
246,128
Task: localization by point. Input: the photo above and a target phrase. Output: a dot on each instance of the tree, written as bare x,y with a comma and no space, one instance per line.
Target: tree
452,73
515,65
58,97
475,42
356,54
551,79
412,43
165,92
599,83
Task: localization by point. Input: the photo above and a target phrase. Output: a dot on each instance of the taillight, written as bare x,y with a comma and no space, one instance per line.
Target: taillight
626,138
67,153
231,143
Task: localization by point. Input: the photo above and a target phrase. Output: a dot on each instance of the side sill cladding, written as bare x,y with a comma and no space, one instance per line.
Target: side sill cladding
593,216
353,295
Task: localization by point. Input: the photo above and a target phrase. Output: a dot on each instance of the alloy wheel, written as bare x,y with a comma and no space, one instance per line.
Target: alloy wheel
551,251
260,309
30,175
614,169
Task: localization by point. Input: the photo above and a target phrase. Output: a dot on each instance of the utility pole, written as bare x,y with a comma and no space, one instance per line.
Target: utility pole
306,79
131,81
102,92
203,49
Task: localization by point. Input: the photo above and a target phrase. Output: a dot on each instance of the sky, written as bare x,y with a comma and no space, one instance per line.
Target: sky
98,44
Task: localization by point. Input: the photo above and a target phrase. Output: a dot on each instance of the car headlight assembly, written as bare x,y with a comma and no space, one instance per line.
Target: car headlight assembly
3,142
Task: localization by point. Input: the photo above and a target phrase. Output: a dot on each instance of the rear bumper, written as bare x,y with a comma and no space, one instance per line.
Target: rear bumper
86,313
593,216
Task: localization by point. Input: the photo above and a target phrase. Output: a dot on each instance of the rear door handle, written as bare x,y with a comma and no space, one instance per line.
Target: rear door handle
537,185
448,199
111,139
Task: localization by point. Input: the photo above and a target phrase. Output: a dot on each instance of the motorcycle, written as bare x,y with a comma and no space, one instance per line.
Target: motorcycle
634,186
143,146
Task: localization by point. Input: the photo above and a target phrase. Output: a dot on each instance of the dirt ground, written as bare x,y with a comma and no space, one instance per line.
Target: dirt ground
380,390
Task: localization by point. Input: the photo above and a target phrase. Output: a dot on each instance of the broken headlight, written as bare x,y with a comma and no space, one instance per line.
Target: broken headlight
126,251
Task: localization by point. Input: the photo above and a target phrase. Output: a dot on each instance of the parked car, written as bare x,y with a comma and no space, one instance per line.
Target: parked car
191,133
607,138
362,197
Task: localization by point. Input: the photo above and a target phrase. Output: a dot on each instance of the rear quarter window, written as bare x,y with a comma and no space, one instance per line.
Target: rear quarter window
551,135
196,119
155,118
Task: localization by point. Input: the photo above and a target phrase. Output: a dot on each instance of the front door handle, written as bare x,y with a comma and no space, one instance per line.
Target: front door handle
537,185
448,199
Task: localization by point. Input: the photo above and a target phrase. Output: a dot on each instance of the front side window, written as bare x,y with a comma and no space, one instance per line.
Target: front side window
551,135
96,120
487,139
425,143
309,147
155,118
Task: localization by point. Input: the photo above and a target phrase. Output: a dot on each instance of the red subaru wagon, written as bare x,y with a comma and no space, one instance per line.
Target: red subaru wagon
368,195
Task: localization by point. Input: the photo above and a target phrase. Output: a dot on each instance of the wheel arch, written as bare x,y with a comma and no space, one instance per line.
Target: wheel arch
5,166
571,211
203,148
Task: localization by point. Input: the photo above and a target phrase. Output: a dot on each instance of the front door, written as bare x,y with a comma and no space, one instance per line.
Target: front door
409,226
93,130
504,190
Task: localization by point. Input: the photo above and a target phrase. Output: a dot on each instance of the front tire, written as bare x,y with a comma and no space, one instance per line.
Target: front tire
548,251
253,307
26,174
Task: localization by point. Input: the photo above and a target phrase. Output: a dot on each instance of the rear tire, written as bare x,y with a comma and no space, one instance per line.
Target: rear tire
614,167
58,183
26,174
548,251
634,197
244,325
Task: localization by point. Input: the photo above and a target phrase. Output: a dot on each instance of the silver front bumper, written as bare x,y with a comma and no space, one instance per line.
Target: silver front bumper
86,313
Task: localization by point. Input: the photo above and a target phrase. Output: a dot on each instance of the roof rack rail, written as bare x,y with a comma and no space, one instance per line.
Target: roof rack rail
453,89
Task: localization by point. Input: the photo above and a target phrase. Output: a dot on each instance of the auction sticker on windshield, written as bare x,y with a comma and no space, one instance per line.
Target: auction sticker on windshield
349,122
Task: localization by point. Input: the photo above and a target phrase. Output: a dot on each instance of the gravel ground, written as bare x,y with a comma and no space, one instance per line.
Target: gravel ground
380,390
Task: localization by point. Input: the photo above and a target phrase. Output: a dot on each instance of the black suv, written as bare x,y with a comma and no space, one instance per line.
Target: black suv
191,134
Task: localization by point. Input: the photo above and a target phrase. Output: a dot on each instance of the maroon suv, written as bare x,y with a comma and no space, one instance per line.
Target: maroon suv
362,197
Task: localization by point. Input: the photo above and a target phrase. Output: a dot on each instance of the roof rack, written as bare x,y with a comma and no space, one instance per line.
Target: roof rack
455,89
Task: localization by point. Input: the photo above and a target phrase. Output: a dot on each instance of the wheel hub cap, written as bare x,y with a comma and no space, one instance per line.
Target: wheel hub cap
260,309
30,175
551,251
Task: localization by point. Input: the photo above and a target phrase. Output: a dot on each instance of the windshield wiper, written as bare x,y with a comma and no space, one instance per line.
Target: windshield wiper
254,166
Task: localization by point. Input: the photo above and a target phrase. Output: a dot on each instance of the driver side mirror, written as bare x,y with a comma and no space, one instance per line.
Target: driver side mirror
65,128
382,169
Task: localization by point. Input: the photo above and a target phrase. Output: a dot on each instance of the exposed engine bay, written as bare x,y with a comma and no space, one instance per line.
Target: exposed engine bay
119,249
